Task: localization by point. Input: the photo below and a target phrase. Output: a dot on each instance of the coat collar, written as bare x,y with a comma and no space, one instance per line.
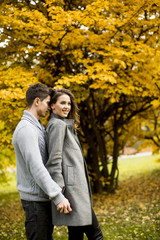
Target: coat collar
69,122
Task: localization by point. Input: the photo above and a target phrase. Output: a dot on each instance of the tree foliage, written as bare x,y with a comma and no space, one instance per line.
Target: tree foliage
106,52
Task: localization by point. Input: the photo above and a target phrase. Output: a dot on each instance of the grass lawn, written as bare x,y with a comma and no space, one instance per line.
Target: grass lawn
131,167
132,213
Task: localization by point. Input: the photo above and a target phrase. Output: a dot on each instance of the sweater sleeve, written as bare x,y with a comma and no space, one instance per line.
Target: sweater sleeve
55,139
28,145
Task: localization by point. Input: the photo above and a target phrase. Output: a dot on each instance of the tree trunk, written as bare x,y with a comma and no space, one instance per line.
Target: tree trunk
96,151
114,180
94,172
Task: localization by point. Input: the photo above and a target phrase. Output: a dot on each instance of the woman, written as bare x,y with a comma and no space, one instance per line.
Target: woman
67,167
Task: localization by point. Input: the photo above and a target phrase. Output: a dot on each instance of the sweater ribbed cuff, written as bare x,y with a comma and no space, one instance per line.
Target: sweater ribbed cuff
58,198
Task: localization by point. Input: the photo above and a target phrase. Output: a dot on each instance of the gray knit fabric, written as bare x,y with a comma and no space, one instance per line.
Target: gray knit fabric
41,134
34,182
42,143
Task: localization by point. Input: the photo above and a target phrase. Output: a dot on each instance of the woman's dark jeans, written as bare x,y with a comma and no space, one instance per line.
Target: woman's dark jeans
93,232
38,222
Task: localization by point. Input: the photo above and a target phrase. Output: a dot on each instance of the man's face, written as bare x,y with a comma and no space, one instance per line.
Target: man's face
43,107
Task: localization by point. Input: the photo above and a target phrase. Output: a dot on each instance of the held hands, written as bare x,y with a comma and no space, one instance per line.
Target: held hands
64,206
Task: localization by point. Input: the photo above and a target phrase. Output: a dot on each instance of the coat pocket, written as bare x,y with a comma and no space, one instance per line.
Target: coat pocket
70,175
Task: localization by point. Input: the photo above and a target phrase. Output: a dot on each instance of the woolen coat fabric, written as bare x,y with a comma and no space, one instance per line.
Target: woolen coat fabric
67,167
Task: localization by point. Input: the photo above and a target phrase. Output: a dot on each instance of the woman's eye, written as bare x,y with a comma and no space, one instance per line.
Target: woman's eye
65,103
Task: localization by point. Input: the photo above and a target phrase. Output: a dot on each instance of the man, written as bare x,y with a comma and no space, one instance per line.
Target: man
34,183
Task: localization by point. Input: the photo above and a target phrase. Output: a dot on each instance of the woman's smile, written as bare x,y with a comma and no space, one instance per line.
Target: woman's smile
62,107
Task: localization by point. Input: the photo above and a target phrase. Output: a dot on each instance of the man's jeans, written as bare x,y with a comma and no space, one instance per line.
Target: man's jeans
93,232
38,222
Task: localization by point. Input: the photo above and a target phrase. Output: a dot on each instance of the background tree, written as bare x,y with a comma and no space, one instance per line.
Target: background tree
13,84
149,129
106,52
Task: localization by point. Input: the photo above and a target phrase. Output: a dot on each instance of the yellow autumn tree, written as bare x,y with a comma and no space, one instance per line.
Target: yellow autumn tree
13,84
106,52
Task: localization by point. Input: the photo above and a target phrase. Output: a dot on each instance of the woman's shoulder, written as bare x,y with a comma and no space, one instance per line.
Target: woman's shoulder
56,122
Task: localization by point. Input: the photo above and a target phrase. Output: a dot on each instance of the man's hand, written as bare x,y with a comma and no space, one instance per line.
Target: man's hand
64,206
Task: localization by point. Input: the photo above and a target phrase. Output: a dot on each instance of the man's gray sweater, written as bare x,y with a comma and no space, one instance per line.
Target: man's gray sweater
34,183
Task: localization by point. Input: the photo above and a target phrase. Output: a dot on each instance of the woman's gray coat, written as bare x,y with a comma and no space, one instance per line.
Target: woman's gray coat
67,167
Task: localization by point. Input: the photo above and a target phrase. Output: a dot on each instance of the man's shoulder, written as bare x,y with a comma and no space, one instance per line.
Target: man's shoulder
24,127
25,124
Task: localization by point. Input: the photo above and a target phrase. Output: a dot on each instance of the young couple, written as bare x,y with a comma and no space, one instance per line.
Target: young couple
52,176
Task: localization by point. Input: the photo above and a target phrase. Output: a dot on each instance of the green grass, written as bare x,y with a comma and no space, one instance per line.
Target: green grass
135,223
129,167
132,213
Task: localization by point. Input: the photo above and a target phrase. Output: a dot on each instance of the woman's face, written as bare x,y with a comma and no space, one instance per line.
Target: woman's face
63,106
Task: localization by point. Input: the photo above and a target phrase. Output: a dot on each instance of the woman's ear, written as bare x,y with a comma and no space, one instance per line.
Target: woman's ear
52,106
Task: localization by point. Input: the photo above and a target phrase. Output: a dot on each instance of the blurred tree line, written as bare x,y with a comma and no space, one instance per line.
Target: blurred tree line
106,52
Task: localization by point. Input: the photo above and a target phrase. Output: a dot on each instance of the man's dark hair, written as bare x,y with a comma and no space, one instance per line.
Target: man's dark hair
37,90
